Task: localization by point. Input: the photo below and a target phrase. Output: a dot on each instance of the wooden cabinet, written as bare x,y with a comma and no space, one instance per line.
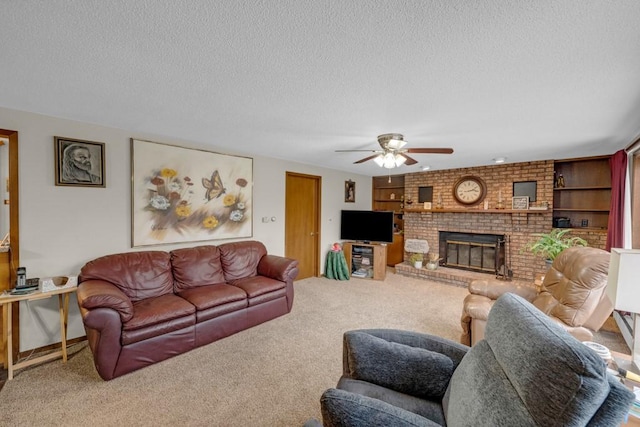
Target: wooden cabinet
388,195
395,250
583,194
366,261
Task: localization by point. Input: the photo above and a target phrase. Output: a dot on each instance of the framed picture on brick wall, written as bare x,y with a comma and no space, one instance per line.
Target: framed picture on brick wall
520,203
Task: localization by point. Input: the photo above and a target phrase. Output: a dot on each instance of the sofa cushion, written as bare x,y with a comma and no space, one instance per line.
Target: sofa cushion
240,259
157,316
205,297
199,266
152,311
343,408
416,371
258,285
431,409
496,385
139,275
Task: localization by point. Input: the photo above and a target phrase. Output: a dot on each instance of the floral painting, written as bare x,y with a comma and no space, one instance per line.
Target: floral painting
186,195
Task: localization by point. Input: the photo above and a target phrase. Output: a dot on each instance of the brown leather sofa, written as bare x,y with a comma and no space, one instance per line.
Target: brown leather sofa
140,308
572,294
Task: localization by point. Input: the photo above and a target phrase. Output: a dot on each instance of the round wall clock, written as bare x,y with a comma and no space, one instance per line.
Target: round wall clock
469,190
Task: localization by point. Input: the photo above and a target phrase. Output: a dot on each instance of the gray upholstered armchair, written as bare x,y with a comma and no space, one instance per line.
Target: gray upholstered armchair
396,378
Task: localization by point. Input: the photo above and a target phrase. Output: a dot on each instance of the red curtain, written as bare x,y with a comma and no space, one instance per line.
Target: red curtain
615,234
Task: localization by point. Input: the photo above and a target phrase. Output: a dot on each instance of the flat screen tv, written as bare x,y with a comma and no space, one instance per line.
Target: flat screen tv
367,226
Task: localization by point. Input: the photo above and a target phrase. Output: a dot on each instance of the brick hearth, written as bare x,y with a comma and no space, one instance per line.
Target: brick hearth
450,276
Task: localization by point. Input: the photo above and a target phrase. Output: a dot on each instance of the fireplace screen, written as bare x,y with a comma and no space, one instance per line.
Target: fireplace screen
472,251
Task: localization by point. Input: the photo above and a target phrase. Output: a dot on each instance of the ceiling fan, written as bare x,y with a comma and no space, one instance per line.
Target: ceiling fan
393,154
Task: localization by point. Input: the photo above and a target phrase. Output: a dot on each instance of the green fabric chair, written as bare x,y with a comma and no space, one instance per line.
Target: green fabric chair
399,378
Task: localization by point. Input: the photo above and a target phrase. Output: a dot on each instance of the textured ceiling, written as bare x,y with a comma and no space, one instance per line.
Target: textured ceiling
297,80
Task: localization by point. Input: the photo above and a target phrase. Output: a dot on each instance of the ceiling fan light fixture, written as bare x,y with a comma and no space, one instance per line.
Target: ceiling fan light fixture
396,144
400,160
379,160
389,161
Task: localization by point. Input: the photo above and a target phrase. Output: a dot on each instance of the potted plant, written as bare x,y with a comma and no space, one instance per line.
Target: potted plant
416,259
549,245
434,259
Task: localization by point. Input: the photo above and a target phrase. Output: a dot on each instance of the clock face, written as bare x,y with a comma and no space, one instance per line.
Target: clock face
469,190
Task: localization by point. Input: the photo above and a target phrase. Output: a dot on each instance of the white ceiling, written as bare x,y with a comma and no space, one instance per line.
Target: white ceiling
299,79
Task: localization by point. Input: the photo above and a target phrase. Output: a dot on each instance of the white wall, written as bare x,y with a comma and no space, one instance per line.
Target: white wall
61,228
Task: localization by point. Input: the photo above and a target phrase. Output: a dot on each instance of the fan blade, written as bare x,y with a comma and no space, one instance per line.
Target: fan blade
357,151
366,159
430,150
410,160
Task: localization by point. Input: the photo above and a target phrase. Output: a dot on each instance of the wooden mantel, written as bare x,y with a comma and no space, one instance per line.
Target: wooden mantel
481,211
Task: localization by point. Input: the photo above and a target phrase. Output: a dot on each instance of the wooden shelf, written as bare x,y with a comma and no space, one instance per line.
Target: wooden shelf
390,187
595,187
479,211
596,229
579,210
586,194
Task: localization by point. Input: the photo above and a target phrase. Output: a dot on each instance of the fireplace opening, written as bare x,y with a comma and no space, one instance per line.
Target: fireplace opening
472,251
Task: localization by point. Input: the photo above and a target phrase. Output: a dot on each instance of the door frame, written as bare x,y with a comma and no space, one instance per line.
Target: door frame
14,240
318,233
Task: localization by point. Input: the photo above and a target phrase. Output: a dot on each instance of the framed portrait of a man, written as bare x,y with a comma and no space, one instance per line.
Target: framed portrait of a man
79,163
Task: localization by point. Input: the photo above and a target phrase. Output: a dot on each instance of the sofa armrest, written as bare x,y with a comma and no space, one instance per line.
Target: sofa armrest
93,294
578,332
473,307
416,364
493,289
346,409
278,268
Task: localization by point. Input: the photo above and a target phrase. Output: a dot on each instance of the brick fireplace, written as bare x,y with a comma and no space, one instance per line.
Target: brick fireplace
517,227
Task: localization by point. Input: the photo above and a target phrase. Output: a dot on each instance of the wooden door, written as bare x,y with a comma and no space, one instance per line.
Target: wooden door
302,222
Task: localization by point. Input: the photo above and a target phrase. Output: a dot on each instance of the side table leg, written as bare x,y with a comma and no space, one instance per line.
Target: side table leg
63,302
9,341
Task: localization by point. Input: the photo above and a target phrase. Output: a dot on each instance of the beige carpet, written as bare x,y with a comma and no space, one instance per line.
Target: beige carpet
270,375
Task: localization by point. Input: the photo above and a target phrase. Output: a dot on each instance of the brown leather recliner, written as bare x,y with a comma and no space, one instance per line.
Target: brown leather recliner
572,294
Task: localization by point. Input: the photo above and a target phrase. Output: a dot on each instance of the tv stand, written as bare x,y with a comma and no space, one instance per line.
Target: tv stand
366,260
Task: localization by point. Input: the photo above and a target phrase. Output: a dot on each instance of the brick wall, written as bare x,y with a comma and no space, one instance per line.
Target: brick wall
519,227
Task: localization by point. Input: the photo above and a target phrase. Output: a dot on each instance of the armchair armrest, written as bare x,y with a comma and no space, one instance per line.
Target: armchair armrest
346,409
493,289
278,268
93,294
412,363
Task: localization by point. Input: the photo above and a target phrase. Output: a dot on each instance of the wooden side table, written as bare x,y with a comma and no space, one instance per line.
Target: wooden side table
7,313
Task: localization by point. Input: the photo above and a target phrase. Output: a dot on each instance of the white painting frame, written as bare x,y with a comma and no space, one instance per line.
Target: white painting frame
183,194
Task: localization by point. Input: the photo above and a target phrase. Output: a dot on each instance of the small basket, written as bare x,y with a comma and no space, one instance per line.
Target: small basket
59,282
